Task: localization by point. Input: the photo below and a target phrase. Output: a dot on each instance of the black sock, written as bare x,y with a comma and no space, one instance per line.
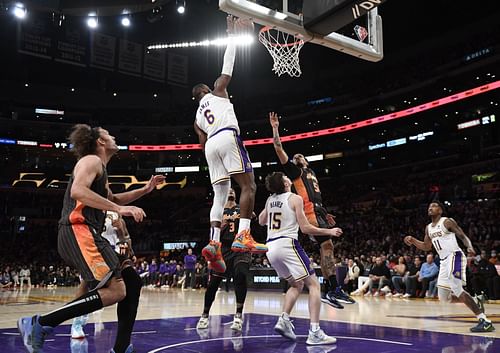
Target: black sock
87,303
127,309
333,282
212,288
239,308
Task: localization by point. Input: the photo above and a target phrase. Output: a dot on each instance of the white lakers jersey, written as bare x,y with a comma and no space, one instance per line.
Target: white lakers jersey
444,241
281,219
216,113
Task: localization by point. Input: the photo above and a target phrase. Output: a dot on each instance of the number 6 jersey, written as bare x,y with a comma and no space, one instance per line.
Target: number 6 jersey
216,113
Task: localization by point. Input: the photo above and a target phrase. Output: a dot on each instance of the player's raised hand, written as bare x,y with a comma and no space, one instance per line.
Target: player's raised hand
335,232
408,240
274,120
154,181
471,251
132,211
230,19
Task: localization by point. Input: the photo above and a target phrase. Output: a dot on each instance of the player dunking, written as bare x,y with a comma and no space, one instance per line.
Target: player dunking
81,245
283,215
442,233
307,186
238,266
217,128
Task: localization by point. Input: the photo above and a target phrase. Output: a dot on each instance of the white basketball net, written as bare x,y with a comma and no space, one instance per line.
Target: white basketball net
284,49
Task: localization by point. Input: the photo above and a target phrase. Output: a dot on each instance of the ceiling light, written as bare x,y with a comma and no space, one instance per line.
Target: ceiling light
181,6
125,21
92,21
19,11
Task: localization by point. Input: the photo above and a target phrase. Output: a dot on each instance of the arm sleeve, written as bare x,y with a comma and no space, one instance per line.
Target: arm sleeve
229,55
292,171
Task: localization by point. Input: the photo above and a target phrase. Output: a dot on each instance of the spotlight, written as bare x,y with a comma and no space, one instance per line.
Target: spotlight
19,11
92,21
125,21
155,15
181,6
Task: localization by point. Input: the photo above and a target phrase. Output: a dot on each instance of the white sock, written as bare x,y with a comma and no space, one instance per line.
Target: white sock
244,224
314,326
215,233
482,316
285,316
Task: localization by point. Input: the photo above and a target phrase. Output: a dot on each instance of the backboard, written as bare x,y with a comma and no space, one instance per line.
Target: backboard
346,18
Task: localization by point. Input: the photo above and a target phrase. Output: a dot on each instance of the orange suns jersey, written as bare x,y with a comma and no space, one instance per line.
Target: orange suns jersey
306,185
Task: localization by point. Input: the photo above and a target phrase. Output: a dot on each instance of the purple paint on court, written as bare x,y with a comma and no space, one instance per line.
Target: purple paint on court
180,335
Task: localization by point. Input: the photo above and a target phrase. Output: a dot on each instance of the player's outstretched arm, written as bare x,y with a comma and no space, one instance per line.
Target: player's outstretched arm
124,198
297,204
278,147
221,84
425,245
452,226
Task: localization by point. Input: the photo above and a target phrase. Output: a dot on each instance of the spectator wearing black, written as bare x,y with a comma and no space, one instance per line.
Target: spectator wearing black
379,276
483,274
411,279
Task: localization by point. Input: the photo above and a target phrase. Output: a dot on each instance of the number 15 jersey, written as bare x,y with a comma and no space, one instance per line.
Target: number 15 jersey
281,219
215,114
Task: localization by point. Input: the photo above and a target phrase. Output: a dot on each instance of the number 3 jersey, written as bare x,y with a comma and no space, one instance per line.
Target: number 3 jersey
281,219
232,217
216,113
444,241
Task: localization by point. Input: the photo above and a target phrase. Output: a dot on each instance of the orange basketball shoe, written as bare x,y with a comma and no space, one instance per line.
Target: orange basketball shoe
244,242
213,254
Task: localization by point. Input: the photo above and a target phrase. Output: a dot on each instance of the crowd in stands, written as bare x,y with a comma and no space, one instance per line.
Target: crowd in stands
15,275
374,224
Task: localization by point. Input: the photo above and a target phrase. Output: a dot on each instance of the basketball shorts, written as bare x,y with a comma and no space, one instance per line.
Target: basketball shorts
232,259
83,248
288,258
452,272
226,155
318,218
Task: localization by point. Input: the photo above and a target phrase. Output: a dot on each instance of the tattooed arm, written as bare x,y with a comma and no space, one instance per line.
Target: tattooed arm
278,147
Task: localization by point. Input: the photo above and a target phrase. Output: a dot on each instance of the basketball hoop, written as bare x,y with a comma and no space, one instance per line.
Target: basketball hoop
284,49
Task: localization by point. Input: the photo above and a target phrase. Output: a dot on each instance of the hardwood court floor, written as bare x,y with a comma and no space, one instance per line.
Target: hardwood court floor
167,322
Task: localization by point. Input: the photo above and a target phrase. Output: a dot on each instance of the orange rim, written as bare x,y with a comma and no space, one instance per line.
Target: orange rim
268,28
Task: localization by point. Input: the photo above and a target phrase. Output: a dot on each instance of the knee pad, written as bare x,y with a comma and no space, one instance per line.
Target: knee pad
221,191
457,290
444,295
